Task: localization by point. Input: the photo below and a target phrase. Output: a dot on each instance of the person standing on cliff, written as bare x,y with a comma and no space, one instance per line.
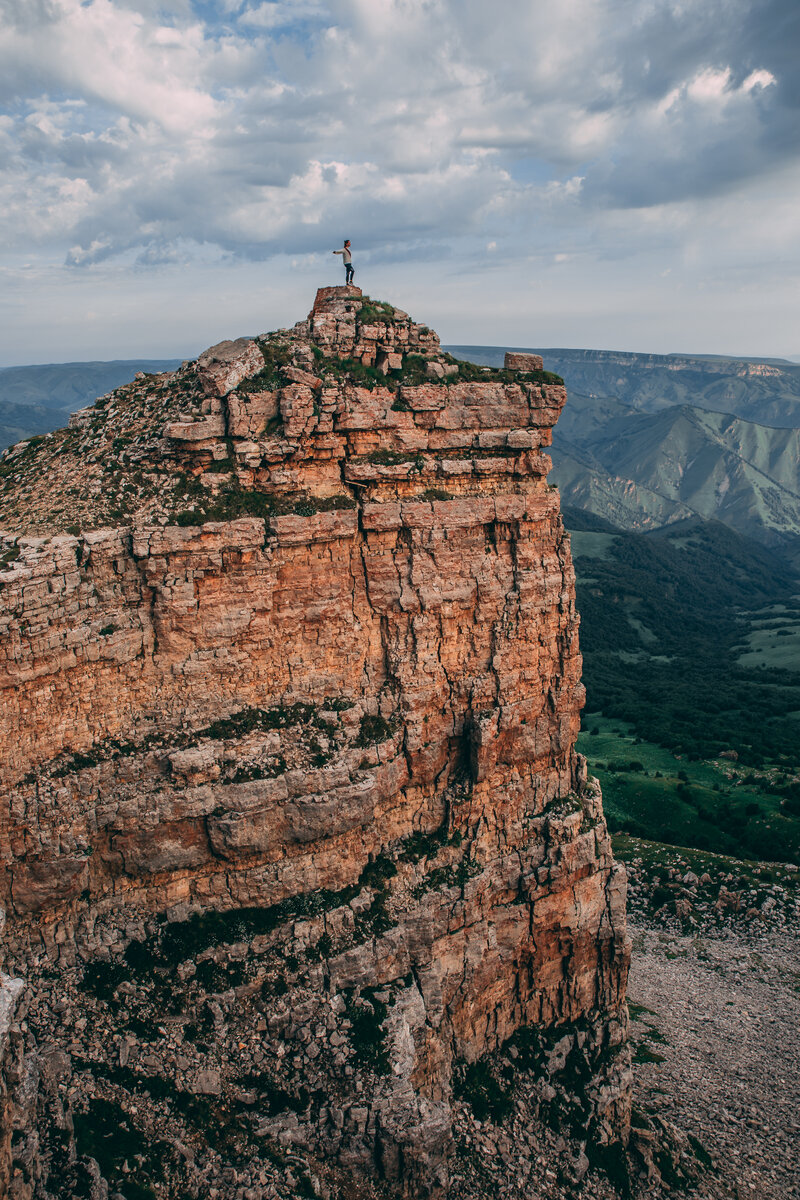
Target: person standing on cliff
347,259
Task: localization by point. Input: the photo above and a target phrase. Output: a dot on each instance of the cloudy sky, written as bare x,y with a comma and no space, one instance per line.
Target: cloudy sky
604,173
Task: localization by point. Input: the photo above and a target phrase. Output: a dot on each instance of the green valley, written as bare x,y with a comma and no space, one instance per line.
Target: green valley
693,711
714,804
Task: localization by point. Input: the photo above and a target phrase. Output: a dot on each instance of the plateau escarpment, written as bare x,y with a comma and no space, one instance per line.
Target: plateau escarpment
295,829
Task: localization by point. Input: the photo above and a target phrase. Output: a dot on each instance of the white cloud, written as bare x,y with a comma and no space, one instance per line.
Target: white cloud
113,56
273,14
758,79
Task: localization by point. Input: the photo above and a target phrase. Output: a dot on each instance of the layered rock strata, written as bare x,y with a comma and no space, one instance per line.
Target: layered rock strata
300,753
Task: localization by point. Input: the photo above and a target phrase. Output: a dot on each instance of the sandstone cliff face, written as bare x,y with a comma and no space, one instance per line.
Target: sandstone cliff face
310,768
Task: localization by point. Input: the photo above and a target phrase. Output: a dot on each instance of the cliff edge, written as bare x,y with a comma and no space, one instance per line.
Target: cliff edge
294,830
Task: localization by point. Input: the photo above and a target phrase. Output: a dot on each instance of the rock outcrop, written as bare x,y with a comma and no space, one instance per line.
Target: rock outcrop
294,829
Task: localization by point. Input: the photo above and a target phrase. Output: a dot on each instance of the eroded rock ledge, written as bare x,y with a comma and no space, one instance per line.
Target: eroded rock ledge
295,830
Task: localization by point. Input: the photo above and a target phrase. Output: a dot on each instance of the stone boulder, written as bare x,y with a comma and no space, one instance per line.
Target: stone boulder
222,368
523,362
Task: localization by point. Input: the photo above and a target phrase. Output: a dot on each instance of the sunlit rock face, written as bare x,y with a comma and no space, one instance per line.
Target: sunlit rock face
294,746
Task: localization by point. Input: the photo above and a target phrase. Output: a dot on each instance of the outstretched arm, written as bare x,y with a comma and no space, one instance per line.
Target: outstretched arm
338,252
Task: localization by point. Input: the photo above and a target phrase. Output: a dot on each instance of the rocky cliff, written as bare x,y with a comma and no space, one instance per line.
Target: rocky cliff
294,831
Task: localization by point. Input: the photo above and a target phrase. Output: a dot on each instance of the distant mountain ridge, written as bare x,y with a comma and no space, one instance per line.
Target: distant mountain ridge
36,399
624,451
763,390
642,470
